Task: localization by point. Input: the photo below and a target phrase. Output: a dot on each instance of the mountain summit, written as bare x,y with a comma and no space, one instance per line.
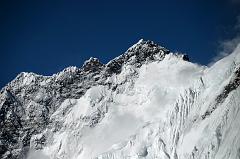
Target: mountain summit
146,103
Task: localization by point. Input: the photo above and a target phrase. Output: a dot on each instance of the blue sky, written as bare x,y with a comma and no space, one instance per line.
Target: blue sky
46,36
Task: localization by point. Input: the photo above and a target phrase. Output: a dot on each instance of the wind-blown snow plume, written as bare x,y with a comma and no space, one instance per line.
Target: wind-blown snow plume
227,46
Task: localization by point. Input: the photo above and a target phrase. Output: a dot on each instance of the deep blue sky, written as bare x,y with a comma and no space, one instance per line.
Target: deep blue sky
46,36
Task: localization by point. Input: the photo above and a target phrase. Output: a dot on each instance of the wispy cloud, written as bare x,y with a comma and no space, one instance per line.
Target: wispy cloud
235,1
227,46
237,26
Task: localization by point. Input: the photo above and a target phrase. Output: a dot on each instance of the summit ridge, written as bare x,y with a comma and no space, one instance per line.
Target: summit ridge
146,103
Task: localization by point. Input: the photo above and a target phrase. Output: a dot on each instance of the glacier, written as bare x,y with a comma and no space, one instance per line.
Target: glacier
148,103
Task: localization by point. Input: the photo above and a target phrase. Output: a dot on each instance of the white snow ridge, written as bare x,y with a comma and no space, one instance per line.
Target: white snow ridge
147,103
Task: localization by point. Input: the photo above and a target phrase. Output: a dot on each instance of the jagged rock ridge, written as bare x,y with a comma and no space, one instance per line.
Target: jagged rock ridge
146,103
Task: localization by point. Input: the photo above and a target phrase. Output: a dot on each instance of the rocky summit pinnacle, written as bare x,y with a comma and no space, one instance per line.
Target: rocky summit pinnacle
93,64
146,103
139,53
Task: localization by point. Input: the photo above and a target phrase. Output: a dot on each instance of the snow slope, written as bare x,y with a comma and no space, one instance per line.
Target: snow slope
147,103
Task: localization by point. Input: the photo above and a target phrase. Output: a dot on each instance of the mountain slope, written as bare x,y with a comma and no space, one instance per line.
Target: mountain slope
147,103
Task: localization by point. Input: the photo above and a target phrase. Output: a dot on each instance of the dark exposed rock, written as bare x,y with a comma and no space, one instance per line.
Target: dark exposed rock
92,65
137,55
232,85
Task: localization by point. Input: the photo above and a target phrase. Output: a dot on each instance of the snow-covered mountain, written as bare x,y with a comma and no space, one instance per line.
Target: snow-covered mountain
147,103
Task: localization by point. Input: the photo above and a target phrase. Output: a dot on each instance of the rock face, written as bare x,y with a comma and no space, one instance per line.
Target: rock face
146,103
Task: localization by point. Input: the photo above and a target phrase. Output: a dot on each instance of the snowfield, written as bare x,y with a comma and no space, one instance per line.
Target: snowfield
148,103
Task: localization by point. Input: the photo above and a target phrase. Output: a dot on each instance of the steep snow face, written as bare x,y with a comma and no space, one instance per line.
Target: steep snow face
142,96
203,122
215,130
147,103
